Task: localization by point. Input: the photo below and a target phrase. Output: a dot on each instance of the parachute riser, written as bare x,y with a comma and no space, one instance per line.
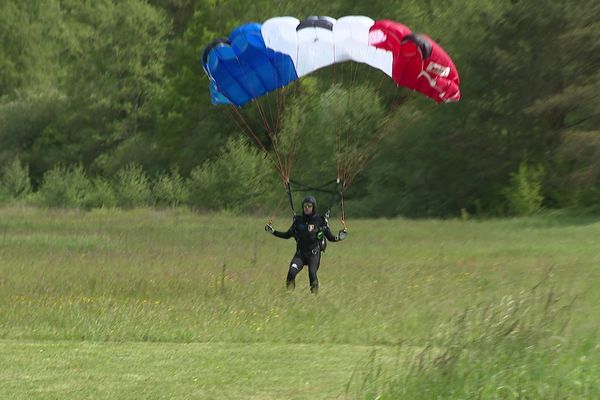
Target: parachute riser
336,196
289,193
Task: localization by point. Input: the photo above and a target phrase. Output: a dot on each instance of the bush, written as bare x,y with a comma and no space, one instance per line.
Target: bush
524,194
15,182
170,189
237,180
101,195
64,187
132,187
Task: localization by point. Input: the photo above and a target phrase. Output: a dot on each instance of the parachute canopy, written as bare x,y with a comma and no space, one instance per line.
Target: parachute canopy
257,59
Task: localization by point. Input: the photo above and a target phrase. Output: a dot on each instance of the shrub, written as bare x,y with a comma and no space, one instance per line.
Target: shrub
237,180
132,187
15,182
524,194
101,195
170,189
64,187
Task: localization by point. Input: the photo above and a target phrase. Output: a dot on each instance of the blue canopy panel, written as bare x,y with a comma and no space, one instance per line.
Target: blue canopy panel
217,97
246,69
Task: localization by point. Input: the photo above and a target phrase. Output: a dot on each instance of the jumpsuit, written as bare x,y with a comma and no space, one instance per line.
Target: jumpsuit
308,231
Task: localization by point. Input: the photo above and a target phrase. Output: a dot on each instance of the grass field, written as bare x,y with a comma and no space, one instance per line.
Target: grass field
150,304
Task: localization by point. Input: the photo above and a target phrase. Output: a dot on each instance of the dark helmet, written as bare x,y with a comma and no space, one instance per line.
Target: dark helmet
310,200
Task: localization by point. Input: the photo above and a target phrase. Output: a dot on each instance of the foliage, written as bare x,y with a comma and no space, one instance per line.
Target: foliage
33,37
107,83
575,180
64,187
101,195
14,180
21,122
239,179
524,193
132,187
169,189
102,68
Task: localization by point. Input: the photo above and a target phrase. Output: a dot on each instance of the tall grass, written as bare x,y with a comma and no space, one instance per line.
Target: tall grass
514,348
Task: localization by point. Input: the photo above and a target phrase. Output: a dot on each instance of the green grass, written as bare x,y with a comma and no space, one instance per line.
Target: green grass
135,370
171,304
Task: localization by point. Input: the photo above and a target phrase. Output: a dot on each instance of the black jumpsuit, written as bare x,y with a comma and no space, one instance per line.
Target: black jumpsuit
308,231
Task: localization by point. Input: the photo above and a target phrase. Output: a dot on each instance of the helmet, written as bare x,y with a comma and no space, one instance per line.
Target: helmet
312,201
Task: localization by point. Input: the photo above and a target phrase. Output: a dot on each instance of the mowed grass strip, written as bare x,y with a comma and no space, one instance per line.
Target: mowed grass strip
134,370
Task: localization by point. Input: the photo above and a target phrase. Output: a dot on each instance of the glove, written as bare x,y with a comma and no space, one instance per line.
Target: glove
269,229
342,234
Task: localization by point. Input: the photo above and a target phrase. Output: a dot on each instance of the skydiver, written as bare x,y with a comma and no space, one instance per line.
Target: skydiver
310,231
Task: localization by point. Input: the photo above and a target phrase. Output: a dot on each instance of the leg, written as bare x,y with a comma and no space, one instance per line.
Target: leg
313,267
295,266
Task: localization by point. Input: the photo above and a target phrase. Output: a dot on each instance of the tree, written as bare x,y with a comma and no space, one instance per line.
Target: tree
110,72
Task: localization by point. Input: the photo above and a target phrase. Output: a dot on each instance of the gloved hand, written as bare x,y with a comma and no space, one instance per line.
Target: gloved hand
342,234
269,229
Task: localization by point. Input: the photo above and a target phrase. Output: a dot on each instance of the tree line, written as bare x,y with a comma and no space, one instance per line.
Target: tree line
100,89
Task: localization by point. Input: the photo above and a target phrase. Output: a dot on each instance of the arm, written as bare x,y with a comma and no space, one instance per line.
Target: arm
329,235
283,235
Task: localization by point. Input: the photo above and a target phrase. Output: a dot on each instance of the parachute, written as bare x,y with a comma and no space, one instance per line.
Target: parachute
257,59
